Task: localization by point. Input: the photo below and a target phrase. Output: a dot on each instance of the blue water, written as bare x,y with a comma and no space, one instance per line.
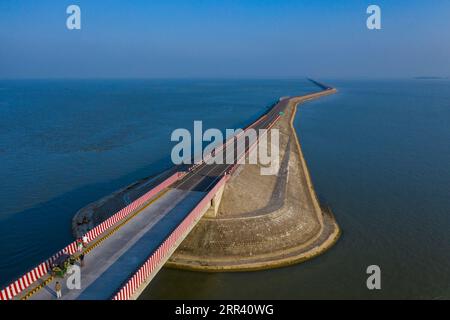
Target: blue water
379,155
64,144
378,152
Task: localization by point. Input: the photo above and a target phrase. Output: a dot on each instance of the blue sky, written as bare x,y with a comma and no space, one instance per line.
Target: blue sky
224,39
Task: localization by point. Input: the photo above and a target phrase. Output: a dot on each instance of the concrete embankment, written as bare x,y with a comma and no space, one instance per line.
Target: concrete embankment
263,221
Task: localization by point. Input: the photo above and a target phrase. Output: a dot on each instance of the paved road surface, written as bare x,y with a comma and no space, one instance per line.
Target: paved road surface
109,266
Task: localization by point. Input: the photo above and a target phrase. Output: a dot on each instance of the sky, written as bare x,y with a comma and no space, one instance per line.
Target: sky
224,39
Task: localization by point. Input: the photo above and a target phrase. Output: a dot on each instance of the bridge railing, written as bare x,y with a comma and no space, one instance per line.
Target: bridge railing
108,223
158,257
155,261
43,268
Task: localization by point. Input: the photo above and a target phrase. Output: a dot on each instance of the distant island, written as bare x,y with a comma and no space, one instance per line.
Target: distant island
430,78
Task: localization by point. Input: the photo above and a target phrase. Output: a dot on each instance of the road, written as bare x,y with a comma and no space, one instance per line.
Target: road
108,266
204,176
125,247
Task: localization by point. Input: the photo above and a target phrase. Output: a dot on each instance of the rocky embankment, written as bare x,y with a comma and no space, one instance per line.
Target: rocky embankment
263,221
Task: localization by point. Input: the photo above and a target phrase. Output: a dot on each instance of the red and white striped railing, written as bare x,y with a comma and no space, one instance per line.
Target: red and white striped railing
155,261
32,276
159,256
108,223
42,269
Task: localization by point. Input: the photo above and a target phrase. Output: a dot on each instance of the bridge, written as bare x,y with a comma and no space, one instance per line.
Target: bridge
125,252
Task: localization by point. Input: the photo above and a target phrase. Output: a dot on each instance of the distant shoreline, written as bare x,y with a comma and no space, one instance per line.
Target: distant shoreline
431,78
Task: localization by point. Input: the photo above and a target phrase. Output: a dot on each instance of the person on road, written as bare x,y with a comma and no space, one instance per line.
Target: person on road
85,241
58,290
80,246
82,260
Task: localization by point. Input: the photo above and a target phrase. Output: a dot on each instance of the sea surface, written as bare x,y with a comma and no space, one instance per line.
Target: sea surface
378,152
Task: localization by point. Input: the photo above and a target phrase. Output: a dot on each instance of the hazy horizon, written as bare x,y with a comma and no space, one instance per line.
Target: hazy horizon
224,40
241,78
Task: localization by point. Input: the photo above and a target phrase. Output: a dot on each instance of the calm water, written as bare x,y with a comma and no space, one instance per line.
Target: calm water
378,152
64,144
